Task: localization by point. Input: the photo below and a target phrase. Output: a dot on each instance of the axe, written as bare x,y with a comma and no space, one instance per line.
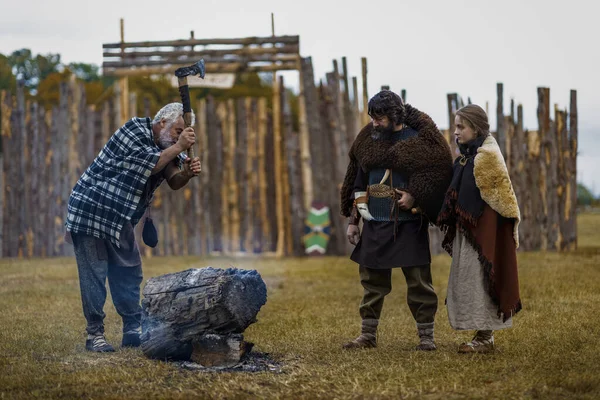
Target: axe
184,90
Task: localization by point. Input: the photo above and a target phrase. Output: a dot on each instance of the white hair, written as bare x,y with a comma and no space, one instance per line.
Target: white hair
171,112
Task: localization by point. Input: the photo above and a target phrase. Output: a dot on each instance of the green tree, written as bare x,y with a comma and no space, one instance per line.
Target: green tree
48,93
85,72
7,78
585,197
32,70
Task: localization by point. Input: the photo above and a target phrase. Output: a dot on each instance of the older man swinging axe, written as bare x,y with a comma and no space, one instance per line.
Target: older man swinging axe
113,195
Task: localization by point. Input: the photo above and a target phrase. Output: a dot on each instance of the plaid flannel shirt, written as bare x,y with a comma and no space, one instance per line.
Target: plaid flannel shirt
108,193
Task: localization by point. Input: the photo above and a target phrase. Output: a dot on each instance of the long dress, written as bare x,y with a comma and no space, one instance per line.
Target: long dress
469,304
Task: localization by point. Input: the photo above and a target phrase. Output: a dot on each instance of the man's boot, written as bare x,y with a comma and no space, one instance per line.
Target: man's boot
425,332
367,338
98,344
132,338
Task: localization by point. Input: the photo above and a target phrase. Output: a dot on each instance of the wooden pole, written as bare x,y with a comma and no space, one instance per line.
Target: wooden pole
365,92
355,106
5,132
305,138
294,192
534,181
262,174
6,176
551,159
45,191
571,206
338,157
509,127
272,24
226,182
124,82
314,164
279,185
272,183
36,157
522,191
349,121
500,125
250,179
341,114
286,159
27,205
233,194
544,132
20,136
562,137
201,200
243,172
452,106
215,164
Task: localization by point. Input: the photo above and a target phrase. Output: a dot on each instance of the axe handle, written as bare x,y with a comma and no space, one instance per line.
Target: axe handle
184,92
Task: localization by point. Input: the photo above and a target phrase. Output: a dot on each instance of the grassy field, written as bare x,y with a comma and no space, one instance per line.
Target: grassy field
553,351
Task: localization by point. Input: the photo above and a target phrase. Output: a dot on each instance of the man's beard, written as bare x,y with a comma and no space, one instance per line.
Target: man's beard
384,132
164,139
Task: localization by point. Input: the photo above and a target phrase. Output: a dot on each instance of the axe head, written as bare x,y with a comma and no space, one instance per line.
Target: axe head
194,69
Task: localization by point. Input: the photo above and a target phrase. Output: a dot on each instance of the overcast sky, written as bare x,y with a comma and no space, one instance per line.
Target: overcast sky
429,48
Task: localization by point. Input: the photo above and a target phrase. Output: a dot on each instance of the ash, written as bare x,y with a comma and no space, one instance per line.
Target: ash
251,362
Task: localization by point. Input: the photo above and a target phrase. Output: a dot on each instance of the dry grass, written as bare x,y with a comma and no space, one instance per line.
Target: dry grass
552,352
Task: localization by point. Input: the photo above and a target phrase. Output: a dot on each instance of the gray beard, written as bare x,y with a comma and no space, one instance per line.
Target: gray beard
164,139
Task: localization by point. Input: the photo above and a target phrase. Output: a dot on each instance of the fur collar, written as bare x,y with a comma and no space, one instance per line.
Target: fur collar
493,181
405,155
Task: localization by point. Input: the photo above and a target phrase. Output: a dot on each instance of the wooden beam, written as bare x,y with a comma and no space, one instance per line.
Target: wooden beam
178,60
210,68
255,40
287,49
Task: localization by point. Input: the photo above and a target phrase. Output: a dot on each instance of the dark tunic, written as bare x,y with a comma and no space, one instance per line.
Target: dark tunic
377,248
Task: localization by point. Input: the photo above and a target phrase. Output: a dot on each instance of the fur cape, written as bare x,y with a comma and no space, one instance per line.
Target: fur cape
425,159
493,181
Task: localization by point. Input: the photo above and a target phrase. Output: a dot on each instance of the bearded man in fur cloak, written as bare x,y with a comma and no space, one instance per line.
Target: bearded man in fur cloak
400,168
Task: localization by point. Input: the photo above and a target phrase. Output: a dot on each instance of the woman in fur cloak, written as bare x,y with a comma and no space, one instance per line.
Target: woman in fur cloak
480,219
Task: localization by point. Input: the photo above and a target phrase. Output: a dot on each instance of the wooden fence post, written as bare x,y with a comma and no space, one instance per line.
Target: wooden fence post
365,94
571,210
500,122
306,74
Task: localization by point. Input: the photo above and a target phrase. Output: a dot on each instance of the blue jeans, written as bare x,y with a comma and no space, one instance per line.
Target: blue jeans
124,282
